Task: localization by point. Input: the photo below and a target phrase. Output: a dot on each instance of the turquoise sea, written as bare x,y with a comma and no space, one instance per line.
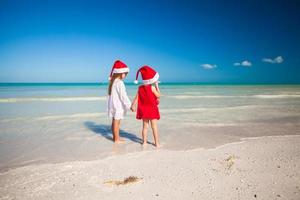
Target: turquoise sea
57,122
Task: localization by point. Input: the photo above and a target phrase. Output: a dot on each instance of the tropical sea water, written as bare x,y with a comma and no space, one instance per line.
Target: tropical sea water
41,123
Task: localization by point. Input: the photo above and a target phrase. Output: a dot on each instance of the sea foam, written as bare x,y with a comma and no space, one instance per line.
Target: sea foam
262,96
51,99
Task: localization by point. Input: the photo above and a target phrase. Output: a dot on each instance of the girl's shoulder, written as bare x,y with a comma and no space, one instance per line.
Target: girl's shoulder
118,82
153,88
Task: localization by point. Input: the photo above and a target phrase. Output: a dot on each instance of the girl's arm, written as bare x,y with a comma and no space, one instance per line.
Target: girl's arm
123,95
157,88
155,91
133,108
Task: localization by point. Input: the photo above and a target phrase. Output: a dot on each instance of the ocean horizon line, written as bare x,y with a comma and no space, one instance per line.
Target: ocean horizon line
72,84
4,84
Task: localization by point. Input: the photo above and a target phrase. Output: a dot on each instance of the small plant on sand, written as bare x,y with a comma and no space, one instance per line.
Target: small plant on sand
125,181
230,161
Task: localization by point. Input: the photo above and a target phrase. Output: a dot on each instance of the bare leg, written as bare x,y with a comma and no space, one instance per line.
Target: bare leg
144,132
112,129
154,130
116,130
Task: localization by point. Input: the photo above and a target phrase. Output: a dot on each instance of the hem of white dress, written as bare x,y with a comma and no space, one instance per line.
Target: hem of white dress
117,115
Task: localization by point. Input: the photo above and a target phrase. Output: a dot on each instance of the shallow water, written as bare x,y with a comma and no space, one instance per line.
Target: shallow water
57,123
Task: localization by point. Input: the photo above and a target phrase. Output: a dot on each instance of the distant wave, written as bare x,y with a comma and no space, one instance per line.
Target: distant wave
57,117
103,98
263,96
275,96
75,116
51,99
202,96
180,110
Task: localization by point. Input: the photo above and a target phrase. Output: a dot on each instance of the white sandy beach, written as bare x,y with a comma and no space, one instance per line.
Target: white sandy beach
255,168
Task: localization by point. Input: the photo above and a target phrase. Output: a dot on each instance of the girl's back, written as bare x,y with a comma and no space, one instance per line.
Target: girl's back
147,103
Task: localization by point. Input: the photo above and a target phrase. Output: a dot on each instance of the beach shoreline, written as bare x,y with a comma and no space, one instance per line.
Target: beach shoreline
264,167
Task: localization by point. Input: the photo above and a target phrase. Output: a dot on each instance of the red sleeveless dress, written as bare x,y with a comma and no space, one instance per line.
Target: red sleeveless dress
147,103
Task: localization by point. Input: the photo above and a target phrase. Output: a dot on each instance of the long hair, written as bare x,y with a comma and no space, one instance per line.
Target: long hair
111,82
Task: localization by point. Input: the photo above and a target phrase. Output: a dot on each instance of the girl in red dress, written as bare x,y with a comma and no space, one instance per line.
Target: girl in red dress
147,99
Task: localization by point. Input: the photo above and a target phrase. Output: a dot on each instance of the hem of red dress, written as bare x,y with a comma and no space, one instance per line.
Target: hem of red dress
147,118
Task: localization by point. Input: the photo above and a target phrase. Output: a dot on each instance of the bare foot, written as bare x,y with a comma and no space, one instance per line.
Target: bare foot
144,143
120,141
157,146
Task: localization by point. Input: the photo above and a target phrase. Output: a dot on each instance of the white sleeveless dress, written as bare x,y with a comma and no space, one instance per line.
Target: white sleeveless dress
118,101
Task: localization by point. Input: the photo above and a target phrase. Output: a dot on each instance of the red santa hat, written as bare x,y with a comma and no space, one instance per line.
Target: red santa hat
149,75
118,67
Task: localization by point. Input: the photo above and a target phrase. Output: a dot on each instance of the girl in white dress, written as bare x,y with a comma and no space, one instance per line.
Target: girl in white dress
118,101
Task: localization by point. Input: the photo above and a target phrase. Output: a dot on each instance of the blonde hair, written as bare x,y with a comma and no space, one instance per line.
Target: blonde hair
113,78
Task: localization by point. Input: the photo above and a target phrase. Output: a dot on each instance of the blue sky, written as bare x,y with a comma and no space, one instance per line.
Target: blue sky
199,41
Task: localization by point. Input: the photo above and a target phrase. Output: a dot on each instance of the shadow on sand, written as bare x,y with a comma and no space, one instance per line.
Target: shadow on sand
105,131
